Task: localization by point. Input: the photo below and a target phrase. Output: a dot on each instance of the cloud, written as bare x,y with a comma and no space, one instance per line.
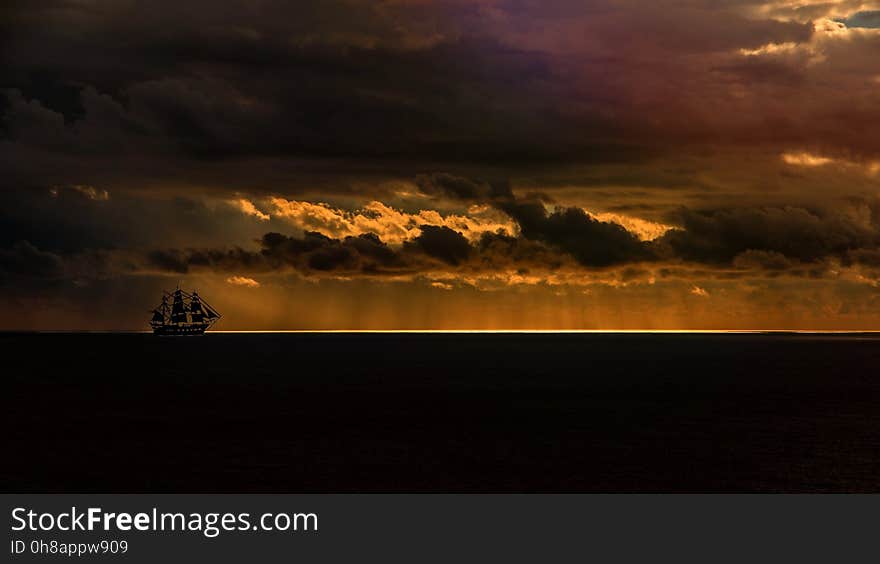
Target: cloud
181,261
806,10
699,292
805,159
243,281
516,85
391,225
460,188
88,192
743,244
315,252
558,243
25,261
510,239
590,241
719,236
764,260
434,251
248,208
442,243
643,229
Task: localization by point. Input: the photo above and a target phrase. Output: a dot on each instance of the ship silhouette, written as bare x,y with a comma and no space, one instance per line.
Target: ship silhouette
187,314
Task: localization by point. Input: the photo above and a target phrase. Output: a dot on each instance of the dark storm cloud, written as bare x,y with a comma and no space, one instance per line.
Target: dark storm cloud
167,86
71,218
868,257
169,260
180,261
591,242
443,243
316,252
709,244
311,253
273,86
442,184
435,249
451,186
719,236
769,239
25,261
497,251
773,240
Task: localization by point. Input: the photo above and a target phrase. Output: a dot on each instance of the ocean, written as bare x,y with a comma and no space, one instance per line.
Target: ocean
441,412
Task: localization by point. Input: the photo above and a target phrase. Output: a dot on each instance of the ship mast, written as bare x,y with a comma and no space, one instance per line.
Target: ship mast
178,310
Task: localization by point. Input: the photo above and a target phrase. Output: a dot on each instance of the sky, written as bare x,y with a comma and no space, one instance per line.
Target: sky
442,164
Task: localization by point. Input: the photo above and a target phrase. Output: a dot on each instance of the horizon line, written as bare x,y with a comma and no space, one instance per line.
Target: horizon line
479,331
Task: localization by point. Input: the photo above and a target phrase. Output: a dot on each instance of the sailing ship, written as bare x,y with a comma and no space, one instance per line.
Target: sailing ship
188,314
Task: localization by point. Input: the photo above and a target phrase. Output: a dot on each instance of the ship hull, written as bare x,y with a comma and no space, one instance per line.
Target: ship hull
179,330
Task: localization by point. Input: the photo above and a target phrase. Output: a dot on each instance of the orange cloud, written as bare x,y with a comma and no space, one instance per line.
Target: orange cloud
243,281
805,159
641,228
248,208
697,291
391,225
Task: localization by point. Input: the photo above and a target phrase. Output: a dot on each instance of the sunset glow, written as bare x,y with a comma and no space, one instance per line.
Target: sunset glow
444,165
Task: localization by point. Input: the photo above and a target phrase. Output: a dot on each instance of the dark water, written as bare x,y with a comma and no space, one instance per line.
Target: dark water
410,412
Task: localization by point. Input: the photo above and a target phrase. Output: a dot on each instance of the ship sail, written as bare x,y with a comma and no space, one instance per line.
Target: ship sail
157,317
195,309
178,312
